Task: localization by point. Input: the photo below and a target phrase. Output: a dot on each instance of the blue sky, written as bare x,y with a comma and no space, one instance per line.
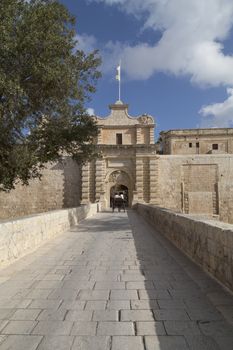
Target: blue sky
177,62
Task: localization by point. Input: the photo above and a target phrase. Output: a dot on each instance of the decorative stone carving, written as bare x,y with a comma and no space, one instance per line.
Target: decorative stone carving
146,119
119,177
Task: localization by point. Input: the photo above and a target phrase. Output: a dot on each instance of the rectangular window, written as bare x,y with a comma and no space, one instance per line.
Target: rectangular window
190,145
119,139
197,144
214,146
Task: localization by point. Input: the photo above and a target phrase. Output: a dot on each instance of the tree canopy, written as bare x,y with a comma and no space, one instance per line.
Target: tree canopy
45,81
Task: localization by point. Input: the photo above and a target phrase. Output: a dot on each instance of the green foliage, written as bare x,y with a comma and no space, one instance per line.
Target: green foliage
45,82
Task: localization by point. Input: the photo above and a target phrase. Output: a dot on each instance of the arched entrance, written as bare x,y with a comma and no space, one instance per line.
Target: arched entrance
119,181
120,189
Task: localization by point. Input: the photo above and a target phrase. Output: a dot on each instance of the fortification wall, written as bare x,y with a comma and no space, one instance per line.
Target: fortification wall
208,243
197,184
59,187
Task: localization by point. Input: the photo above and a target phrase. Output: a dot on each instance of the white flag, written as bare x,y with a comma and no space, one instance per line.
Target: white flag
118,75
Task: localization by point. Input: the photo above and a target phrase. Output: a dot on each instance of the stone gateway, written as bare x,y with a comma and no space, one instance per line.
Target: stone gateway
128,161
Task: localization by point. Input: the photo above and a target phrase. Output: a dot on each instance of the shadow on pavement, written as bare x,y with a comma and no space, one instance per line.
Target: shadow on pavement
182,298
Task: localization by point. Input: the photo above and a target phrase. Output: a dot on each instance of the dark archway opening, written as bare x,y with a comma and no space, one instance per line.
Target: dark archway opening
119,189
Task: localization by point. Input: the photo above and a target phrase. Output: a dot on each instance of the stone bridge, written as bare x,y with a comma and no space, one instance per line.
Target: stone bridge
112,283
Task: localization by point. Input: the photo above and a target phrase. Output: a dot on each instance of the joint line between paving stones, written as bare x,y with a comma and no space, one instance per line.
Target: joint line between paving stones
111,342
92,316
153,314
144,342
97,326
65,315
73,340
85,305
163,323
40,342
97,323
2,329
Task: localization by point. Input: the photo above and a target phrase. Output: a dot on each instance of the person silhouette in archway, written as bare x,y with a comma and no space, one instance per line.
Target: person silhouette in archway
118,202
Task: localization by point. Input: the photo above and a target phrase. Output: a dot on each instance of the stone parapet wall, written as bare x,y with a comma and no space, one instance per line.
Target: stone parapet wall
208,243
22,236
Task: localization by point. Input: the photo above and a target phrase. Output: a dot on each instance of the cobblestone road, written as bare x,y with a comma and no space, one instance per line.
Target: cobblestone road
112,283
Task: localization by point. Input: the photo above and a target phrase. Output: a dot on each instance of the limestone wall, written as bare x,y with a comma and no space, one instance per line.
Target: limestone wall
22,236
58,188
197,184
208,243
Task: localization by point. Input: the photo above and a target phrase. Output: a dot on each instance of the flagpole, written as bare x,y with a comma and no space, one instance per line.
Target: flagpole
119,90
120,82
118,77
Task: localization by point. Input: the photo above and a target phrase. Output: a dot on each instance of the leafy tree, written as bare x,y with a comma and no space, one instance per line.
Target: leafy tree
45,82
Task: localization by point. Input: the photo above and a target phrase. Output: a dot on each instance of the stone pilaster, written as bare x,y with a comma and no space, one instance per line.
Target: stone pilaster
152,138
138,135
146,180
99,177
92,182
86,183
99,137
139,179
154,183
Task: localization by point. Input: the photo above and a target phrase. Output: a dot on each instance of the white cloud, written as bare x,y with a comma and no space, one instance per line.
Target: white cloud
192,42
219,114
90,111
111,53
87,43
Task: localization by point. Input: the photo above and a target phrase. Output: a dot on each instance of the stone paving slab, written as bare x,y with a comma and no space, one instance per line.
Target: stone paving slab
52,327
166,343
115,328
56,342
96,305
182,328
224,342
20,342
79,315
118,305
84,328
73,305
129,343
112,283
144,304
150,328
123,294
51,315
25,314
137,315
201,342
171,314
91,343
19,327
106,315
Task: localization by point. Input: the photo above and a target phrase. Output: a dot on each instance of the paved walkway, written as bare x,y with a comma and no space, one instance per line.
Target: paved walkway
112,283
